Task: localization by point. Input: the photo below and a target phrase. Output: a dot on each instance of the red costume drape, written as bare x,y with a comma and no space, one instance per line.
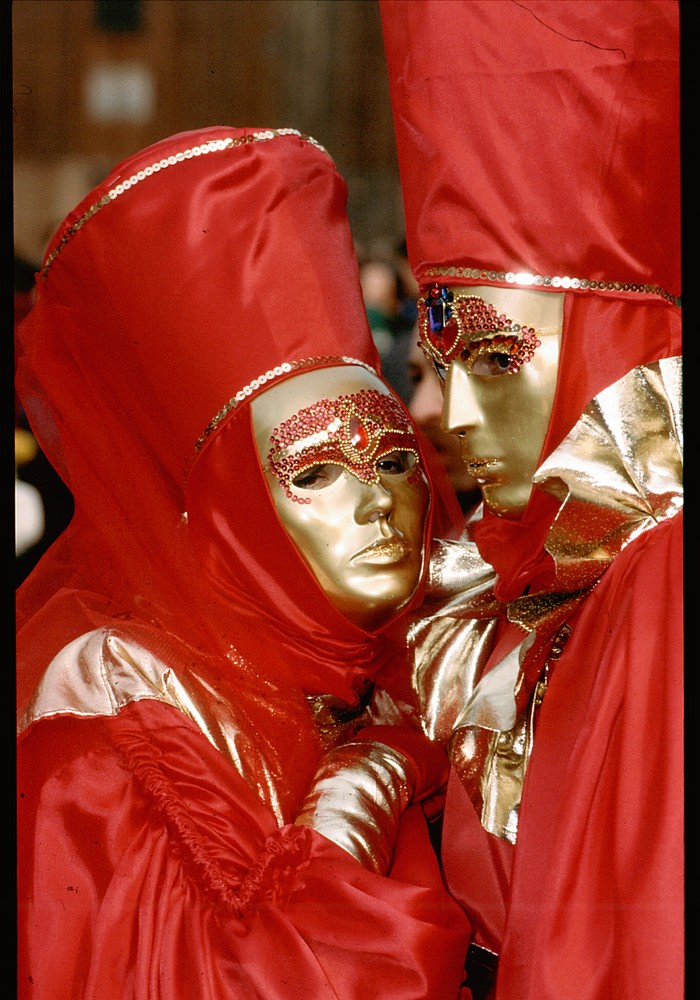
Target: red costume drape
538,146
180,671
589,902
149,867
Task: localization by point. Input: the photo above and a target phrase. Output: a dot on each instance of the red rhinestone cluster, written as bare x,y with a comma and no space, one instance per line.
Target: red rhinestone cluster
477,328
353,431
526,348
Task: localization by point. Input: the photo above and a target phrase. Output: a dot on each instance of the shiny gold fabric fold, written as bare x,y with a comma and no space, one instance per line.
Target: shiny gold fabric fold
358,797
618,473
100,672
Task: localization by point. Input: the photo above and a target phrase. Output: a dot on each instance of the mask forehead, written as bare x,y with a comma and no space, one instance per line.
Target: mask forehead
352,431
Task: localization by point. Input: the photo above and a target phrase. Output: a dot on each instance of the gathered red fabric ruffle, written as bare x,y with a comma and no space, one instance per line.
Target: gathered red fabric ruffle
153,871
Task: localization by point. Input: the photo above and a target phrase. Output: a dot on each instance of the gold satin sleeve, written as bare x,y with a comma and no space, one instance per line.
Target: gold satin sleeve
357,799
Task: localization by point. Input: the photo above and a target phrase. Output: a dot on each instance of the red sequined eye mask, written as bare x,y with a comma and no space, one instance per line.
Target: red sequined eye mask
352,431
453,325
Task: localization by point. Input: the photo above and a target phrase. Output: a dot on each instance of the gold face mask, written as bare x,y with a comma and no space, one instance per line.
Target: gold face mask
499,379
343,469
425,407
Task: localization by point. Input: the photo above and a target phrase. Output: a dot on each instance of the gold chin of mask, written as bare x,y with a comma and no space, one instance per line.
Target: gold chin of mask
501,418
356,518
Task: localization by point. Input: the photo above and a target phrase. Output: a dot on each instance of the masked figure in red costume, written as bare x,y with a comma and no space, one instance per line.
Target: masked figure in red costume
217,797
539,154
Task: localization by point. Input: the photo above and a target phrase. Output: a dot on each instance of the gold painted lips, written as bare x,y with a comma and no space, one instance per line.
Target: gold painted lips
387,550
478,467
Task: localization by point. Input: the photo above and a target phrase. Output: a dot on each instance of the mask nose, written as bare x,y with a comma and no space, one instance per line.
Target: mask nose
375,503
460,408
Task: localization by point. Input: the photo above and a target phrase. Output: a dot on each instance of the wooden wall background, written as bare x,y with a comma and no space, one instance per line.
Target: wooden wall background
315,65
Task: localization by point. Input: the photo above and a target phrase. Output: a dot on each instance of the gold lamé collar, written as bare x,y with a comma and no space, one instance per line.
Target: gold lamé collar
618,472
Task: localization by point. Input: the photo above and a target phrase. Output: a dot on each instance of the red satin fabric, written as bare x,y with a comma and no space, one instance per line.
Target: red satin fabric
157,308
544,137
148,868
533,136
597,898
590,902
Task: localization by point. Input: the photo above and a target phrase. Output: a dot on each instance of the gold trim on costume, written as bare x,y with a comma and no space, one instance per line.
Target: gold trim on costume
561,282
263,381
212,146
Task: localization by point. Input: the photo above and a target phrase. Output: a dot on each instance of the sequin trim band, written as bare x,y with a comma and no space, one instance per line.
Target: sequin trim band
542,281
213,146
269,376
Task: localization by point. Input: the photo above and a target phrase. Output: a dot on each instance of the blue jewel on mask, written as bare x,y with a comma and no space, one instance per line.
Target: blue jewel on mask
438,302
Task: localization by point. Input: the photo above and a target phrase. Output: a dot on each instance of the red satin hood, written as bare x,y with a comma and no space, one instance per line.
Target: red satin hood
539,147
203,267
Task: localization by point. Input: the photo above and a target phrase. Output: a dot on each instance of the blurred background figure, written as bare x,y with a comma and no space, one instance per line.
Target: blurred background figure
389,291
43,503
412,377
29,506
408,286
379,283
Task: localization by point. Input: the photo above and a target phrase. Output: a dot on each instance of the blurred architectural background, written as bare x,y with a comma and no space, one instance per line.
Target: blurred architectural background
96,80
